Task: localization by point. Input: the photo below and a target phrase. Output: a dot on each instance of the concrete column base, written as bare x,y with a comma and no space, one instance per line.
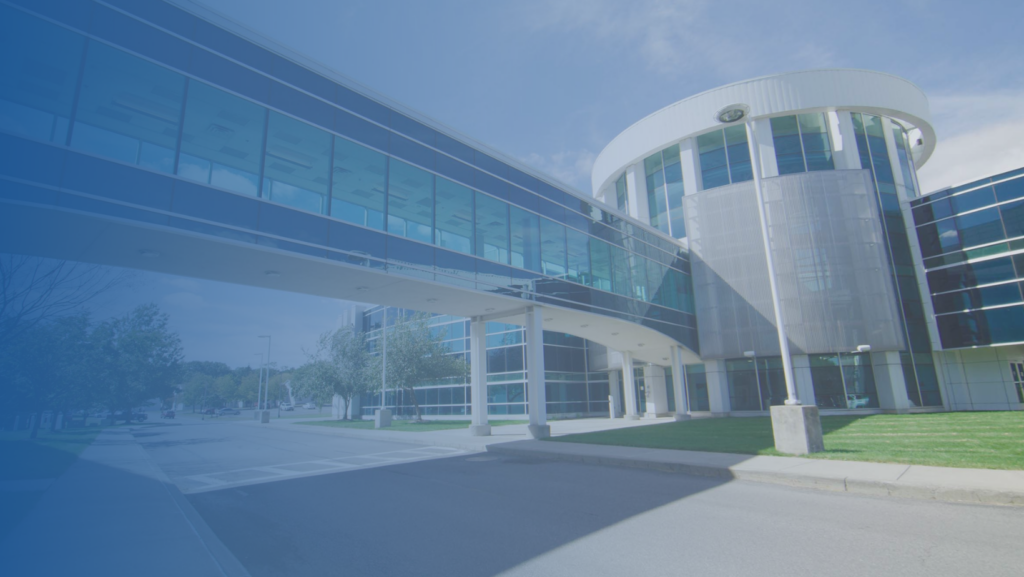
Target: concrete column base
540,431
264,416
381,418
656,415
480,430
679,417
797,429
632,417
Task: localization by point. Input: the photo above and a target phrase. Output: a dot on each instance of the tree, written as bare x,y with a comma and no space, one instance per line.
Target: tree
141,358
342,365
316,379
415,356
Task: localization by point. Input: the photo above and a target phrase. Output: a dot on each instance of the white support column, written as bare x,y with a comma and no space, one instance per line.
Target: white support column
690,162
629,387
656,391
478,377
889,382
613,393
718,388
679,385
766,147
636,190
536,390
844,141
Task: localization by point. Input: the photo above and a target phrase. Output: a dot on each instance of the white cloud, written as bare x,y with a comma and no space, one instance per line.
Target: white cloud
978,136
570,166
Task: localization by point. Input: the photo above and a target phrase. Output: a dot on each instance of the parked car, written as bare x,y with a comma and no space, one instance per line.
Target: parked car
309,406
228,411
133,416
286,407
168,414
210,411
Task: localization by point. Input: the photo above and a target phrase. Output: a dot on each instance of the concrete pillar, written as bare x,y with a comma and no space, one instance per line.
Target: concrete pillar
636,188
804,382
690,159
613,392
629,387
656,386
536,390
889,382
765,147
478,377
679,386
718,388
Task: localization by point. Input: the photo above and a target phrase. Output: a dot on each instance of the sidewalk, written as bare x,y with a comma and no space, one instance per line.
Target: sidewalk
881,479
115,513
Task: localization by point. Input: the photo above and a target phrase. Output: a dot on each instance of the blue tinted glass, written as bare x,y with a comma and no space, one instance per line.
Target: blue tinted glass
1013,218
577,256
980,227
492,240
524,180
552,236
413,152
413,129
222,140
551,210
358,184
972,200
454,214
297,164
455,148
790,163
455,170
303,78
523,198
525,239
600,265
73,12
161,14
140,38
1010,189
410,202
234,47
209,204
38,74
289,223
128,184
358,129
229,75
362,105
125,103
491,185
301,105
491,165
359,241
460,270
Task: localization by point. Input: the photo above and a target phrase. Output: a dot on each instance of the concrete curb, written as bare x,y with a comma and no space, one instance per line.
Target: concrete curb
979,486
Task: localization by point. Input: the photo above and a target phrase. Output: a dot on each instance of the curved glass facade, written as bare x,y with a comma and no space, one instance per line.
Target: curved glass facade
972,241
179,123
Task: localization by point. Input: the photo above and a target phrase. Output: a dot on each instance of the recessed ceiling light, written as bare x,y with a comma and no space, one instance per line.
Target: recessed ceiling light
272,273
615,334
431,300
148,253
489,310
362,288
584,326
549,319
639,344
731,113
664,358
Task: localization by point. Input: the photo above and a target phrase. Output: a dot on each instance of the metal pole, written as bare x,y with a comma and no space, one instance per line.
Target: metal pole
787,363
266,397
259,386
384,362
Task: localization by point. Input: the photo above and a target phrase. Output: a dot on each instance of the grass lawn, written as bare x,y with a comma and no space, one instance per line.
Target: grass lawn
46,457
408,426
982,440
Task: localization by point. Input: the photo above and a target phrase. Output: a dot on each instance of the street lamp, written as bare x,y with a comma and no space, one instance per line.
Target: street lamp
266,397
259,386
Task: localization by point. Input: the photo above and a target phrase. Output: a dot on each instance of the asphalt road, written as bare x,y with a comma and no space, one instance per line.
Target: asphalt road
482,515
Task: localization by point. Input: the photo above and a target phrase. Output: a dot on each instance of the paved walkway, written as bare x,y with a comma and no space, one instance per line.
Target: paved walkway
115,513
913,481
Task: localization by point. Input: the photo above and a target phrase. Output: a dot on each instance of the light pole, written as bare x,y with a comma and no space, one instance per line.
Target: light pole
266,397
259,386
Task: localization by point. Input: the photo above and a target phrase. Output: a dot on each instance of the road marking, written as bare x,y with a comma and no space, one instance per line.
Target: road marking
269,473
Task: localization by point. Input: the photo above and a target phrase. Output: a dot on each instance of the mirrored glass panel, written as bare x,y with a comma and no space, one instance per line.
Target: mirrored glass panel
454,214
410,202
297,164
128,109
222,140
525,236
713,164
358,184
814,137
577,250
38,74
552,243
600,265
739,153
491,228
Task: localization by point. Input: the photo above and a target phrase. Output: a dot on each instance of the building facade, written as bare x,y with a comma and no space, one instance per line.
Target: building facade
152,135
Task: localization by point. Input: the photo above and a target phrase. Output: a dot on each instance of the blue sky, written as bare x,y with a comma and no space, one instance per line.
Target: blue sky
551,82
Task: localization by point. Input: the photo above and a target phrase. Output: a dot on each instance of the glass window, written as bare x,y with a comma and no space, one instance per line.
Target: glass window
296,164
788,150
454,214
128,109
1013,218
1010,189
738,153
578,256
972,200
906,164
713,164
410,202
859,381
552,248
656,203
38,75
744,393
814,137
600,265
525,235
222,140
827,377
674,191
621,195
491,228
620,271
638,273
980,227
358,184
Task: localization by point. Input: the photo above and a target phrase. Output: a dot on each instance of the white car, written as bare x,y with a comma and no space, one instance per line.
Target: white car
309,406
286,407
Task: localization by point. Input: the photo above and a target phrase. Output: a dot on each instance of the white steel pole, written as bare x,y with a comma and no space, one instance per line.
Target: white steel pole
787,363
